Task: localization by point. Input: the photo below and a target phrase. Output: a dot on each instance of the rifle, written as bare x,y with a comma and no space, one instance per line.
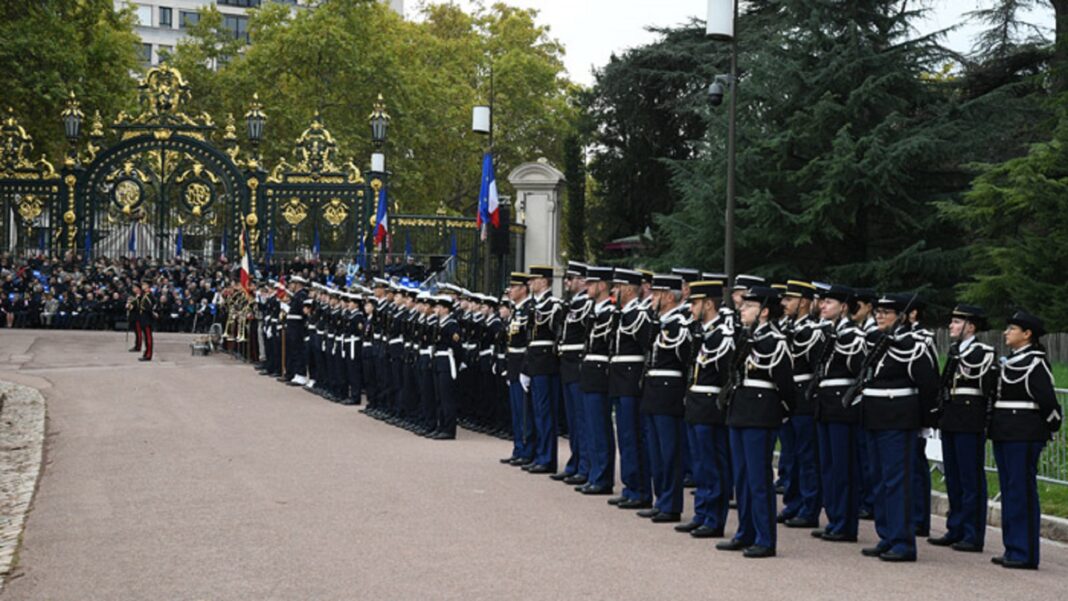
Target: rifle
736,375
948,374
867,368
821,363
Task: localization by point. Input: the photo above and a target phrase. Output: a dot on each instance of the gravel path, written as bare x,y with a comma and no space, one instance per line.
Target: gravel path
194,478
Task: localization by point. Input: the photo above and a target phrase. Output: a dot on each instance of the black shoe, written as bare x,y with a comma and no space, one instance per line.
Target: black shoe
576,479
688,527
144,358
1012,564
894,557
519,461
998,560
617,500
596,490
540,469
135,350
780,489
965,547
688,482
443,436
635,504
818,532
560,477
507,460
838,537
756,551
873,551
781,518
800,522
943,541
707,532
731,545
865,514
667,518
648,512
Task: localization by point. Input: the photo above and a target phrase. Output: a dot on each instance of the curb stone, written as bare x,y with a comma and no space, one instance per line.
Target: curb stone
1051,527
22,425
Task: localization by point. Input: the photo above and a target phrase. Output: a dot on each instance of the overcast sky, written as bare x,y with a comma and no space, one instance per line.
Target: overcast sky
591,30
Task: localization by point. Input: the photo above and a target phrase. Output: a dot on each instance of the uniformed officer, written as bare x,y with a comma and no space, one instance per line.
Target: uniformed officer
296,360
490,333
705,422
688,276
598,433
546,317
518,381
1025,416
133,315
353,350
146,311
447,346
895,401
969,379
571,345
838,427
631,339
760,397
801,498
662,404
864,318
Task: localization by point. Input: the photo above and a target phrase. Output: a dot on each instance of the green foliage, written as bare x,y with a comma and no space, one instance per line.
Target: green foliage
1016,216
50,48
338,58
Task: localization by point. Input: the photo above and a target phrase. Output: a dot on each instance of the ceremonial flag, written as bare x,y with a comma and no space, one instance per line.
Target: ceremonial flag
488,201
382,219
452,246
132,246
88,244
178,243
315,243
222,251
407,244
270,244
246,262
361,256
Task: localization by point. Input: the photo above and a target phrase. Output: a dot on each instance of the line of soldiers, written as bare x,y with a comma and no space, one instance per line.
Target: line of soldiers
676,377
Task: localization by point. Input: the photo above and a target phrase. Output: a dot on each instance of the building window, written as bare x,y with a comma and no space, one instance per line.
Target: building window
144,15
187,18
237,26
165,17
241,3
164,53
146,53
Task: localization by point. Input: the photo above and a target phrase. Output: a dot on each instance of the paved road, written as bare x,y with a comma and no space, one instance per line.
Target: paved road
193,478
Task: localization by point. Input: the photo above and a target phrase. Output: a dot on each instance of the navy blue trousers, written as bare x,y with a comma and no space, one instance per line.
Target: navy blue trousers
786,455
577,463
664,439
752,451
446,389
963,457
545,398
599,442
687,457
633,456
1020,511
710,446
802,497
921,486
893,461
840,476
522,445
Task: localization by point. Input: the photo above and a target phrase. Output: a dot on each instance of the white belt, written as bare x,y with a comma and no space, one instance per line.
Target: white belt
1016,405
600,358
295,317
452,362
397,340
803,377
485,352
470,345
348,338
517,349
500,355
366,344
426,351
751,383
627,359
966,391
832,382
445,353
564,348
705,389
541,343
664,373
889,393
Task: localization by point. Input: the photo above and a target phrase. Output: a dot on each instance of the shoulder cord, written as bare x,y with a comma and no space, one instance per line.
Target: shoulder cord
774,358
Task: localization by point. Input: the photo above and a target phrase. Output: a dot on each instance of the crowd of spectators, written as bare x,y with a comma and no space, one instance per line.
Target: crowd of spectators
41,291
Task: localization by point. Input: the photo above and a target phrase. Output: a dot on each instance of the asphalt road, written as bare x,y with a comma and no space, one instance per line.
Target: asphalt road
194,478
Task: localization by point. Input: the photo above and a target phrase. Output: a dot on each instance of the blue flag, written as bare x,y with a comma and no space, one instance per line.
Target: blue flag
407,244
452,245
382,233
132,246
88,243
361,256
315,244
178,243
41,241
270,244
222,251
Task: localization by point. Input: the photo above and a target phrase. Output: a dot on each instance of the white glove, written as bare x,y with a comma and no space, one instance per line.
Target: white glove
524,381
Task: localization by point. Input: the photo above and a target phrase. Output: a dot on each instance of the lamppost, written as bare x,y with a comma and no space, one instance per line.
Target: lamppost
255,121
72,126
379,120
722,15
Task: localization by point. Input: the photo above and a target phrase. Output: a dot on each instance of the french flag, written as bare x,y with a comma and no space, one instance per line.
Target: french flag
382,219
246,263
488,201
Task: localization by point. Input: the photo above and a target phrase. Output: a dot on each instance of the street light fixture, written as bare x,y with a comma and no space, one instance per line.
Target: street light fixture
255,120
722,16
72,119
379,120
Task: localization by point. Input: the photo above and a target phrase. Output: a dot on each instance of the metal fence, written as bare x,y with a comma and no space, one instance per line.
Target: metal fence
1053,463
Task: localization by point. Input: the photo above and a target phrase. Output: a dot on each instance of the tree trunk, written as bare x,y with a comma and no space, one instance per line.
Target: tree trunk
1059,67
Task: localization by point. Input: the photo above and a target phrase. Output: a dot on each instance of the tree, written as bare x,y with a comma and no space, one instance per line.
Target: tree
48,49
575,209
1016,216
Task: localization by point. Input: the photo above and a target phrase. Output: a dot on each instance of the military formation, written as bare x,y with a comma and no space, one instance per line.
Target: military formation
687,379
